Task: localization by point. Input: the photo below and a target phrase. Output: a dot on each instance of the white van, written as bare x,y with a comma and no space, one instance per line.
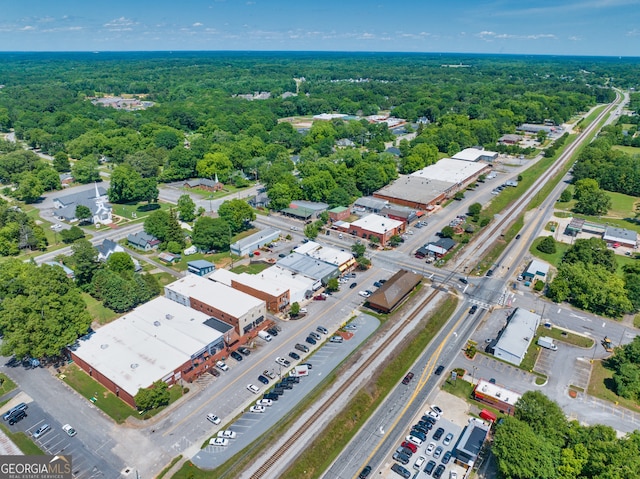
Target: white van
264,335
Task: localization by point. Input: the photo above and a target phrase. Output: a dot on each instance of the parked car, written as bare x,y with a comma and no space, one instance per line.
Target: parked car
409,445
253,388
283,362
447,440
236,355
270,397
270,374
213,418
69,430
364,294
315,335
218,441
245,351
463,280
336,339
263,379
353,285
398,469
446,458
42,430
438,452
257,409
214,372
453,475
430,448
272,331
264,402
407,379
320,297
377,284
222,365
294,356
437,474
401,458
351,327
489,273
419,462
302,347
322,329
310,340
431,465
438,434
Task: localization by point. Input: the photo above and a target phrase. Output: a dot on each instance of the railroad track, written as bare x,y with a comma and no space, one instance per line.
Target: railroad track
507,217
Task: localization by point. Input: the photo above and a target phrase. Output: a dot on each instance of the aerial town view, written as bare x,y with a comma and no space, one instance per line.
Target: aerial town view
277,239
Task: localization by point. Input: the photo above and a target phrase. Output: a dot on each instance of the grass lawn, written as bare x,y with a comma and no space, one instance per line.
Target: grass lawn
530,358
622,206
253,268
97,310
6,384
87,387
459,388
24,442
139,210
629,150
565,336
208,195
601,386
554,258
165,278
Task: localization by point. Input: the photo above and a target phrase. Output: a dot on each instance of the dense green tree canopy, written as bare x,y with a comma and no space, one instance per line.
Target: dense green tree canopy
41,310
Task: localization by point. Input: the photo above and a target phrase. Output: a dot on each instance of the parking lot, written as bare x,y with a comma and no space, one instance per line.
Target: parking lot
452,421
251,425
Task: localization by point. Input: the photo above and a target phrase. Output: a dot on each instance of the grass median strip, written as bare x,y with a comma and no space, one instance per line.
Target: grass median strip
24,442
331,441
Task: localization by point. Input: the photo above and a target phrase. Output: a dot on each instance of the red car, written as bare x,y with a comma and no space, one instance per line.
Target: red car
410,445
407,379
320,297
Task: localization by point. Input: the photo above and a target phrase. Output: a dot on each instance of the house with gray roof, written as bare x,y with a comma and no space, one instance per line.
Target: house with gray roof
143,241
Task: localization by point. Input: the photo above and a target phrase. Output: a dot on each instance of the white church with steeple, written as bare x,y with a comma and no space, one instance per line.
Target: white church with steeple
95,199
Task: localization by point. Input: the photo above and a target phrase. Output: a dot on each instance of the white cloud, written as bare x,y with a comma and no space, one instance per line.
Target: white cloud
197,24
575,38
121,24
488,35
27,28
633,33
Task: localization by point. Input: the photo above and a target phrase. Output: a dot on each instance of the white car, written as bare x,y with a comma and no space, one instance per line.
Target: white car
213,418
218,441
364,294
264,402
253,388
430,448
437,409
228,434
56,227
283,362
448,439
69,430
419,462
257,409
453,475
433,414
222,365
414,440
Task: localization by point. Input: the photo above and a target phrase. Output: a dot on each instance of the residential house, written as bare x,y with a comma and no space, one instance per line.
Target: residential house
143,241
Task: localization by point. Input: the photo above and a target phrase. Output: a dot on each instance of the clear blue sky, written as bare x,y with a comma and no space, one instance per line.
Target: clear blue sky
561,27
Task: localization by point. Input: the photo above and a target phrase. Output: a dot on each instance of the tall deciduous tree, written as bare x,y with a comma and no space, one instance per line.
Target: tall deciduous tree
186,208
41,310
211,234
85,261
237,213
591,200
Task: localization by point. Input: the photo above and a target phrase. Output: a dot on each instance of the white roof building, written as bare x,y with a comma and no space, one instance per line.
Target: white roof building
625,237
475,154
148,344
220,301
299,285
516,336
452,171
341,258
377,224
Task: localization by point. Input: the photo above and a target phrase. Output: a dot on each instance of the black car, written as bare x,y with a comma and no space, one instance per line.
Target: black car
310,340
464,281
438,434
420,429
284,385
439,472
278,390
377,284
431,465
272,331
517,236
398,469
429,419
365,472
292,379
446,458
244,351
473,309
17,417
489,273
353,285
382,281
263,379
293,355
420,435
236,355
439,370
272,396
407,379
404,450
401,458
